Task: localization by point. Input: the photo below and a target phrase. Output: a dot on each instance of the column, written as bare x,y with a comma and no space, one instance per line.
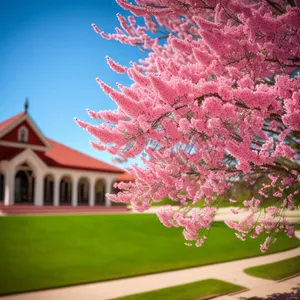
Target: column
9,187
38,189
108,189
56,191
74,191
92,192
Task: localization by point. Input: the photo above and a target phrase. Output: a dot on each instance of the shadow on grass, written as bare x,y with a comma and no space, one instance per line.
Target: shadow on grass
293,295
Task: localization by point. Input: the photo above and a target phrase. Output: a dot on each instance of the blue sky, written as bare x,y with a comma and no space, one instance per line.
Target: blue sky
50,54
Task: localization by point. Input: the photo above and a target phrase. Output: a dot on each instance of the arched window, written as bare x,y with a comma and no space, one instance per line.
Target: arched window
24,184
65,195
2,186
83,191
100,192
48,189
23,134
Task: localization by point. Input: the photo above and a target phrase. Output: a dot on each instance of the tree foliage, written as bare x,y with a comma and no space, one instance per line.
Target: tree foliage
214,103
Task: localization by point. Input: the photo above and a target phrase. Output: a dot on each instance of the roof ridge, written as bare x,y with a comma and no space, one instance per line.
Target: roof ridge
10,120
62,155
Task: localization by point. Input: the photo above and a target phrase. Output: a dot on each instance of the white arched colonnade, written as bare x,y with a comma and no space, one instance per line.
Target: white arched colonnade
27,179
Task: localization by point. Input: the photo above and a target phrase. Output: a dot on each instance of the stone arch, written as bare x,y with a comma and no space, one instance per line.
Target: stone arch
65,190
100,191
48,189
83,190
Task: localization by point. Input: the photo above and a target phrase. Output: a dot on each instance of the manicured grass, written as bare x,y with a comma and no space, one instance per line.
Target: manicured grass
278,270
191,291
51,251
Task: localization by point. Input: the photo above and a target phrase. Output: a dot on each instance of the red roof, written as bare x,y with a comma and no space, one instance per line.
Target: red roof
9,121
62,156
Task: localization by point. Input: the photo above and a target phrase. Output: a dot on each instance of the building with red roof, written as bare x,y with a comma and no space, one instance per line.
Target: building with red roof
37,170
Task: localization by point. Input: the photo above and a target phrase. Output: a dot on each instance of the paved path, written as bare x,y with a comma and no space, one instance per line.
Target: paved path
287,290
229,271
297,234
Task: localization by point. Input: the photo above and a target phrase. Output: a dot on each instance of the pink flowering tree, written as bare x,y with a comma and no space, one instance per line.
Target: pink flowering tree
213,104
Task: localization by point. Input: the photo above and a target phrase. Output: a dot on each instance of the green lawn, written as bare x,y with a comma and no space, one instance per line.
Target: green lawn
191,291
51,251
278,270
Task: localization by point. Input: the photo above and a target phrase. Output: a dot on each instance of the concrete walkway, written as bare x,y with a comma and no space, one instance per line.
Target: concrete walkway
228,271
287,290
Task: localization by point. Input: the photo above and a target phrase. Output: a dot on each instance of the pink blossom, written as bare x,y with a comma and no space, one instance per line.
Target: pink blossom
115,66
235,212
265,246
82,124
290,230
163,89
259,230
273,210
212,105
165,214
106,89
240,237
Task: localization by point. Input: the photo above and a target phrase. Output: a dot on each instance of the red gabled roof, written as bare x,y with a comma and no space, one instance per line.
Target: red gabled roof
62,156
6,123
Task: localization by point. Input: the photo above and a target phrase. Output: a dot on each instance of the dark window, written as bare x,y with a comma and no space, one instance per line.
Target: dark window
2,187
